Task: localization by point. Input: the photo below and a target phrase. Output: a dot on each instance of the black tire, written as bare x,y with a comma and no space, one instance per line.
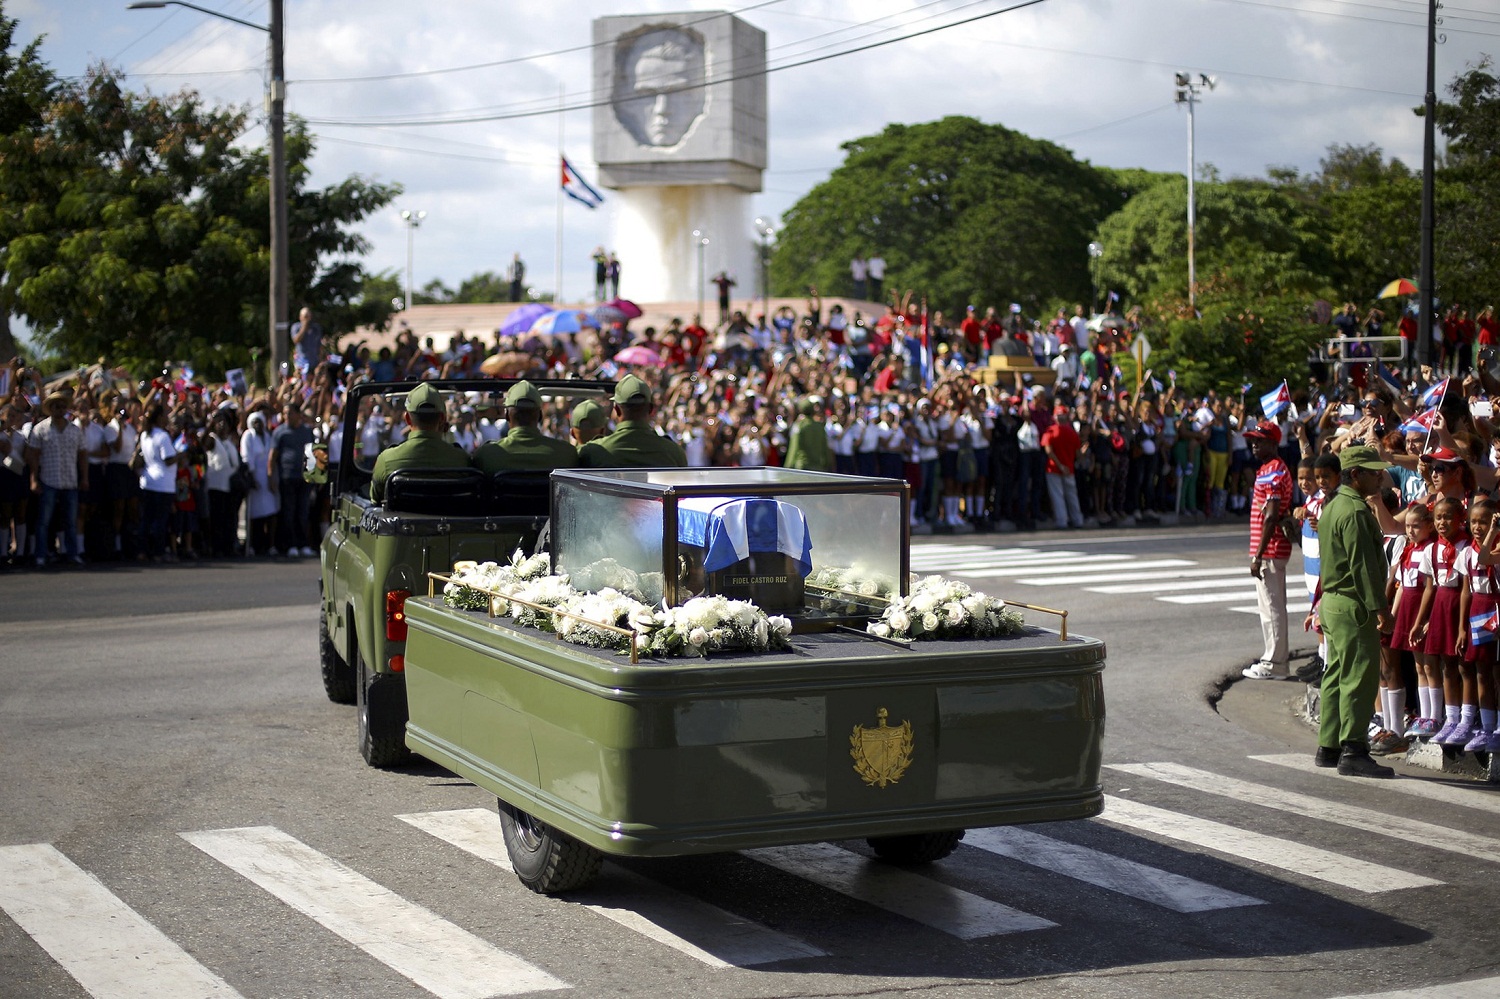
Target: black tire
915,848
382,717
547,861
338,676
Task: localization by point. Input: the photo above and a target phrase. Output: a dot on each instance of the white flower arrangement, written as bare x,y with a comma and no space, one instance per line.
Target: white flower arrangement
698,627
939,608
467,575
717,624
850,590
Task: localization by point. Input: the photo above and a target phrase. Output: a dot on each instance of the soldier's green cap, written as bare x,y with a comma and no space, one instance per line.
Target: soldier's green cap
589,415
806,407
631,389
523,393
1361,456
424,399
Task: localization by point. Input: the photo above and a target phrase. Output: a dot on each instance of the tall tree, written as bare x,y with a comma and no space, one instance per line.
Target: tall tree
960,210
1468,211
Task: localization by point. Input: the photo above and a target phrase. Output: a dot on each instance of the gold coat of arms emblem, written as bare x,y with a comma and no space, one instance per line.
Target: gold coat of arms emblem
881,754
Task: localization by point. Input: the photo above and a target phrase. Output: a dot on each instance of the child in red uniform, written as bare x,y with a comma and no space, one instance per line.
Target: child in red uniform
1477,607
1406,588
1436,627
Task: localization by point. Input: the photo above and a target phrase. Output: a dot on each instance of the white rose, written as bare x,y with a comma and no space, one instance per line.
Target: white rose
921,603
745,614
956,614
868,588
782,626
899,621
879,630
697,638
762,632
929,622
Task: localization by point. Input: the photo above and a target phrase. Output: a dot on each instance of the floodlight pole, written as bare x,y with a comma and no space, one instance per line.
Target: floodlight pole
1187,93
280,280
1426,281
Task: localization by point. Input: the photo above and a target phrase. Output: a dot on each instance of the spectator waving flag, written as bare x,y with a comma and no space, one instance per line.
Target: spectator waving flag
1482,627
1421,424
1275,402
575,187
1434,394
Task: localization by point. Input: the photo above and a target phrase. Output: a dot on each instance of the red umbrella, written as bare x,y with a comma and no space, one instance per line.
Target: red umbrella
625,305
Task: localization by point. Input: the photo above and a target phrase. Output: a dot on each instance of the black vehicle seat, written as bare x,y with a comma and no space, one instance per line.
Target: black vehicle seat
521,494
449,492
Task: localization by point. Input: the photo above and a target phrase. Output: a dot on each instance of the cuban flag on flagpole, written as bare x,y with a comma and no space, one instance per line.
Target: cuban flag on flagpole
1421,424
575,187
1482,627
1275,402
1434,395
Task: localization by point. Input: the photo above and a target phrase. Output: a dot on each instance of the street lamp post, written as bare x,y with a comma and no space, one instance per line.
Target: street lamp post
1187,93
1426,280
276,128
702,242
413,222
765,231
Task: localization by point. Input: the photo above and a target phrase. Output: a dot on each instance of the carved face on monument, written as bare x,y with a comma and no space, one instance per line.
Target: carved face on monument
656,96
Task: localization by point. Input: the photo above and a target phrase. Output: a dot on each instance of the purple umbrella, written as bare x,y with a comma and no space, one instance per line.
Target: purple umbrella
523,318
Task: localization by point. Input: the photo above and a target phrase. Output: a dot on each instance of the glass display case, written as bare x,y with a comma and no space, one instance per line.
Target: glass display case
819,548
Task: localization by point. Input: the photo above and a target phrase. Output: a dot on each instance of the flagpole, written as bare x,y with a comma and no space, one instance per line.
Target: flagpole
1441,395
557,242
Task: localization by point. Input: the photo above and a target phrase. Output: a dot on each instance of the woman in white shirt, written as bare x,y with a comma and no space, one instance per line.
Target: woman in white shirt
158,484
223,460
262,505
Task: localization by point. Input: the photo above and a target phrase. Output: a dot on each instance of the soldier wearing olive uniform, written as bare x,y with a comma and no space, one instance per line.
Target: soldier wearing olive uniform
589,420
635,442
524,448
424,446
808,445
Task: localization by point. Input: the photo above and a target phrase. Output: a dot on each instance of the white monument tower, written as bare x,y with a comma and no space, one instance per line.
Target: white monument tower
680,133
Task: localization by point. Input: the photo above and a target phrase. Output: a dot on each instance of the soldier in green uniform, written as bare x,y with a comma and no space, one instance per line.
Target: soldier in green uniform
424,447
808,445
524,448
589,420
635,442
1353,613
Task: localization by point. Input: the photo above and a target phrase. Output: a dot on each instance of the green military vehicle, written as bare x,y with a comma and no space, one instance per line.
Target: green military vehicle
376,554
836,732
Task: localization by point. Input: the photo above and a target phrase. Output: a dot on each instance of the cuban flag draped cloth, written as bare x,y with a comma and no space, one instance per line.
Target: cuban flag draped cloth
1482,627
728,530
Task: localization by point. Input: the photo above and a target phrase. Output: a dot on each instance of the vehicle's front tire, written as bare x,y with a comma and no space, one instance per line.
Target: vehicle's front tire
382,717
338,676
915,848
546,861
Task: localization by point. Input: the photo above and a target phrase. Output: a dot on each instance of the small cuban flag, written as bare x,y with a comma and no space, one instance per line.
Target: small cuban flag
1275,402
1482,627
1421,423
1388,376
575,187
1434,395
1277,472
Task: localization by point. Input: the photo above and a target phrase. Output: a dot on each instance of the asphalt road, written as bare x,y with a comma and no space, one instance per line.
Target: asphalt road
174,775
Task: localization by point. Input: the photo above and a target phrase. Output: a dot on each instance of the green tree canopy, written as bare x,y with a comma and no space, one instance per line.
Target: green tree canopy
961,211
136,229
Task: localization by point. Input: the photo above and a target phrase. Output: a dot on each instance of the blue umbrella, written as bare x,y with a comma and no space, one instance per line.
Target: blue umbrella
558,322
522,319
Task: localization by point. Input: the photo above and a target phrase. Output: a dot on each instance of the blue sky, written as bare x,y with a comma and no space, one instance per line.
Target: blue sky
1093,75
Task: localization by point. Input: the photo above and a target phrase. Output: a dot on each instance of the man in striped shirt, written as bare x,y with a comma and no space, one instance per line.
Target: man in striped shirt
1270,551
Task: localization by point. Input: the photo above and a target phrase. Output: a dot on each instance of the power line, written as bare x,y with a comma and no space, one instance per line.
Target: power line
1111,124
751,73
508,62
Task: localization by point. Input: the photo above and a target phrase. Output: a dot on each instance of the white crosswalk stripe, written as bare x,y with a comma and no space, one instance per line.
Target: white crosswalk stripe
952,910
1270,851
702,931
1464,797
108,948
1103,870
442,958
1408,830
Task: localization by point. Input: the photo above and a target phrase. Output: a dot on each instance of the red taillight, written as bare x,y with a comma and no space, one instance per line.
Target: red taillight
398,664
395,615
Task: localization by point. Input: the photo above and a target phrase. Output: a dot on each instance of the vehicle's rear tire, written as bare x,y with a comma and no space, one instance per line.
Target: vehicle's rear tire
338,676
915,848
546,861
382,717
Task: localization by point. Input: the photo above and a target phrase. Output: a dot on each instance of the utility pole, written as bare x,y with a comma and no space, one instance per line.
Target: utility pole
1426,283
1187,93
413,221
